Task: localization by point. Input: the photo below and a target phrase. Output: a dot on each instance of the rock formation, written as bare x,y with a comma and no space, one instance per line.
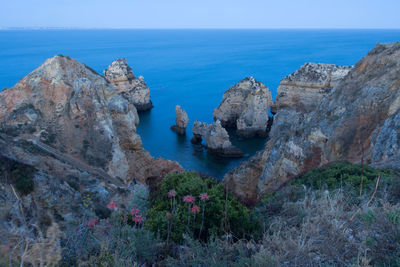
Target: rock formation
358,120
121,76
182,120
245,107
68,147
68,107
304,89
216,137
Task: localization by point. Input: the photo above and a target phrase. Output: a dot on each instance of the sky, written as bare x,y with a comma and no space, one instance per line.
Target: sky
258,14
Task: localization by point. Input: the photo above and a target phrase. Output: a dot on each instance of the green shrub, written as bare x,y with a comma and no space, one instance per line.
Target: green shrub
394,217
24,181
340,174
237,221
18,174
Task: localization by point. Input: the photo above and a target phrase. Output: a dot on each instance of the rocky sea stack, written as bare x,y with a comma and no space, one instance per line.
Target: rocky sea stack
357,121
121,76
216,138
182,120
245,107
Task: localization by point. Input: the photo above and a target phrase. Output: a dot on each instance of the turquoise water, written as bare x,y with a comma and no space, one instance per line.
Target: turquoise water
191,68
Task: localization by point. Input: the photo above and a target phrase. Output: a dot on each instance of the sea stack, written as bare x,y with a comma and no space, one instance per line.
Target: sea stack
245,107
216,137
304,89
182,120
121,76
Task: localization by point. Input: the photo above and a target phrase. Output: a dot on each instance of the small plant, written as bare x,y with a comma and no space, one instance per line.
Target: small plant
177,197
203,197
394,217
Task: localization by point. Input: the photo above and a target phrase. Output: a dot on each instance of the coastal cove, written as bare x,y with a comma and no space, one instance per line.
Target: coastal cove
191,68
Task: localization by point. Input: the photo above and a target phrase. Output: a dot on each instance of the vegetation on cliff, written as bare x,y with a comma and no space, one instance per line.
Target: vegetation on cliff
353,208
223,213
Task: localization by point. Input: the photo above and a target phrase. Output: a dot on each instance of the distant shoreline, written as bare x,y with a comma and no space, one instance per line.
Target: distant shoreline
260,29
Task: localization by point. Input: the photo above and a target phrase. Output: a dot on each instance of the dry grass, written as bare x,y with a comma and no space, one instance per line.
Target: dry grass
313,227
334,232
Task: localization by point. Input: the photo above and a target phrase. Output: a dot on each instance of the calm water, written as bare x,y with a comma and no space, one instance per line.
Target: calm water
191,68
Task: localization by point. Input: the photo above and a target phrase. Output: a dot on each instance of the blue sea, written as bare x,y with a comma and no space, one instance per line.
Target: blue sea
191,68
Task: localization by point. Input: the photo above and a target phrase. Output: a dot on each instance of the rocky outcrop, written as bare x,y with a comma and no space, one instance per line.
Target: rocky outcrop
39,189
358,120
304,89
182,120
68,147
65,105
216,137
245,107
121,76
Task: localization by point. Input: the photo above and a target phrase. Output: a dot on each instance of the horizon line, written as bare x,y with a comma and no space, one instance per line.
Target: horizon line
195,28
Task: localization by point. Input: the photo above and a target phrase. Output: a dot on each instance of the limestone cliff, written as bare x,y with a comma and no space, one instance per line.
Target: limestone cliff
121,76
304,89
358,120
245,107
68,107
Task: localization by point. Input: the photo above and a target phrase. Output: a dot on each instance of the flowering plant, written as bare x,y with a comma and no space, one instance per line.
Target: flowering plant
188,199
204,196
112,205
195,209
172,193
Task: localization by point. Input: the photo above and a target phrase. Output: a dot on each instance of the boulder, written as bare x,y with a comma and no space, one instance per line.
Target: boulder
356,122
121,76
182,120
304,89
216,138
245,107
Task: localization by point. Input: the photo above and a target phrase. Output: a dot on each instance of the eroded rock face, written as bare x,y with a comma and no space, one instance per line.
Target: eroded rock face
65,192
358,119
182,120
72,137
121,76
66,106
304,89
245,107
216,137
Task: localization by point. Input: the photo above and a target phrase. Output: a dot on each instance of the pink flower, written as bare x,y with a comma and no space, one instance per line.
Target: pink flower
168,215
112,205
195,209
92,222
171,193
204,196
135,211
138,219
188,199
